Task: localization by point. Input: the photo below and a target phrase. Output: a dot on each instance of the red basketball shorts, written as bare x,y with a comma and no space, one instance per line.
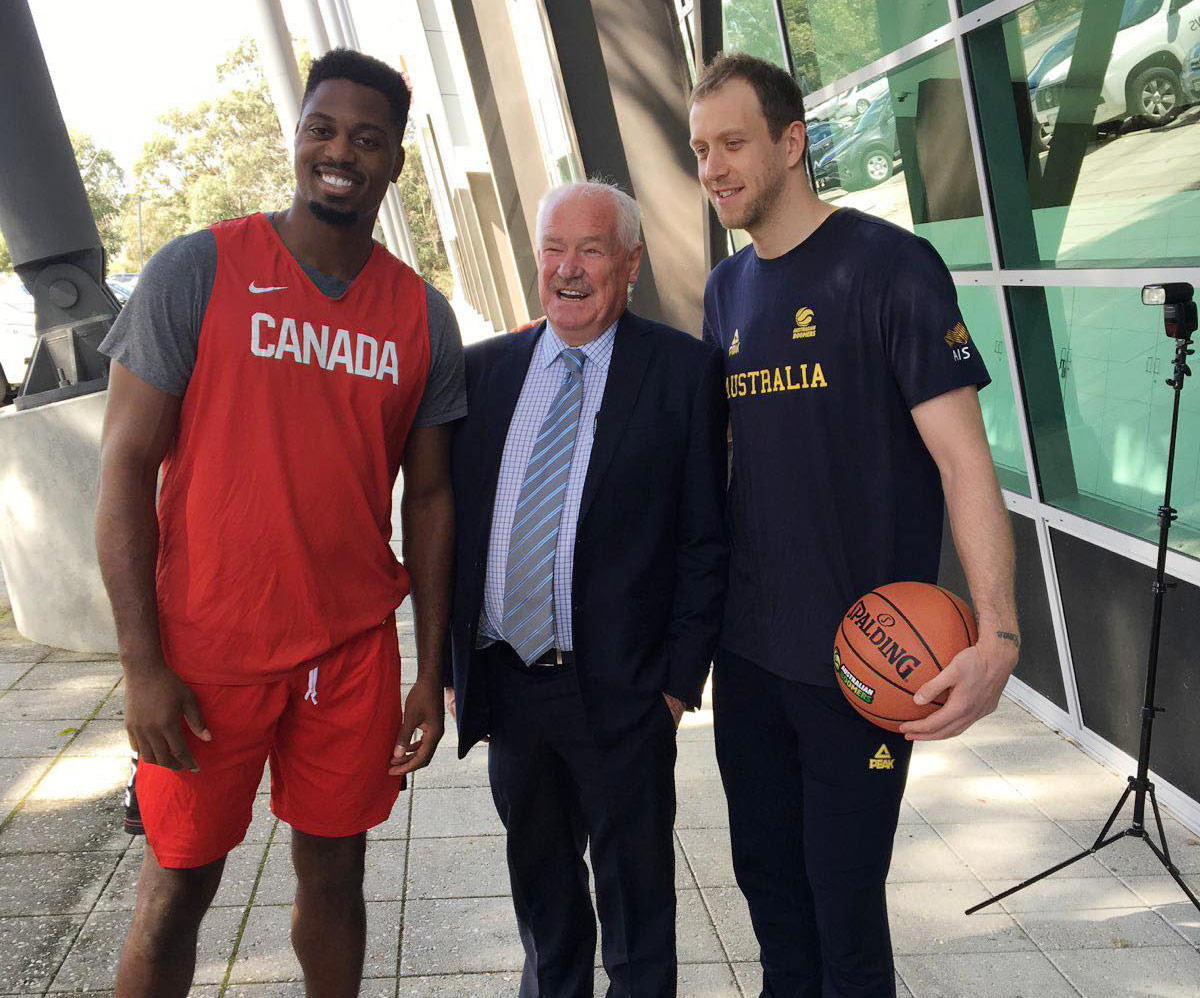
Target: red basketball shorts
328,730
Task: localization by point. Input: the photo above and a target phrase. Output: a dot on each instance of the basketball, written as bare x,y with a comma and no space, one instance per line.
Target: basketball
892,641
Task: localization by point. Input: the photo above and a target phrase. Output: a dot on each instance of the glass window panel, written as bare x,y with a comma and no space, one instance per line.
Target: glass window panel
832,38
899,147
1093,365
1089,118
753,26
998,402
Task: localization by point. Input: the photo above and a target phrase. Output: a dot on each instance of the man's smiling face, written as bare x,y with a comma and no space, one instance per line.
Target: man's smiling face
584,271
347,151
741,168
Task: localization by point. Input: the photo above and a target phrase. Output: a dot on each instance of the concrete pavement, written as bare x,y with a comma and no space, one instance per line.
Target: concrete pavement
1006,799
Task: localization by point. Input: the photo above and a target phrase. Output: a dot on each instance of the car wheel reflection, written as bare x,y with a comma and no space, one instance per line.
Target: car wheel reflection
1155,95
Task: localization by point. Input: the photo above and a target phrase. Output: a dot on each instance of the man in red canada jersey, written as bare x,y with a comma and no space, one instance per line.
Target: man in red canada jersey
280,369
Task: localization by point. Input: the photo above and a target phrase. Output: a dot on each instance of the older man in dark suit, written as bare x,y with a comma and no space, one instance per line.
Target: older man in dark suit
590,566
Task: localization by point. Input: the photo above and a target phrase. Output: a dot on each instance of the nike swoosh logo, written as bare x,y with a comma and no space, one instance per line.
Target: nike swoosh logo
262,291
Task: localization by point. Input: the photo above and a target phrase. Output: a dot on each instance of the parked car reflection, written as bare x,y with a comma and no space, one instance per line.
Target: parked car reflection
1143,80
865,156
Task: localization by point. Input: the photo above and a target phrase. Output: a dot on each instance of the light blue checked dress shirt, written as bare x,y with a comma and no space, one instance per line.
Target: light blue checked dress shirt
542,381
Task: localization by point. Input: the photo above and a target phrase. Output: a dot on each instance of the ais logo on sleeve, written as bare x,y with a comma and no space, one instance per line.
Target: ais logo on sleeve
959,340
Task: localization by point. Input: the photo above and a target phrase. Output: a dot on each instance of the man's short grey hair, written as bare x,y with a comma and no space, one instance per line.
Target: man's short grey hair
629,215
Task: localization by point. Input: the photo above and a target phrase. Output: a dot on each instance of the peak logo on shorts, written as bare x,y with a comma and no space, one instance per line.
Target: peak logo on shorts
805,326
735,346
959,340
307,343
882,759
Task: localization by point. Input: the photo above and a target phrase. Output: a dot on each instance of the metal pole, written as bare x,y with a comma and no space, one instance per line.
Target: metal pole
333,24
318,37
279,64
141,257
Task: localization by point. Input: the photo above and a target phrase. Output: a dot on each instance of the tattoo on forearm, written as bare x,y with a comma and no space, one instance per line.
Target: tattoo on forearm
1009,636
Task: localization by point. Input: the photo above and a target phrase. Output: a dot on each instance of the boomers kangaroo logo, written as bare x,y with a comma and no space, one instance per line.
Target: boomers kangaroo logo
805,326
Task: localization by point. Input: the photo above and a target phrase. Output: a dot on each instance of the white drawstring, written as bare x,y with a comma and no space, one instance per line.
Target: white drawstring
312,685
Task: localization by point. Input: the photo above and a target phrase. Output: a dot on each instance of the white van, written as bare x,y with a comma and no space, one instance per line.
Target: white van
1144,75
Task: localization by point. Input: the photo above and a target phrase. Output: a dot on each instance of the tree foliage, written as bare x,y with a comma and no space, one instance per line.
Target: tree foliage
225,158
104,182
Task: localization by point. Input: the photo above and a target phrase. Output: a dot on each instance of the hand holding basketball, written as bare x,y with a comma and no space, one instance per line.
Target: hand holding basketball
975,679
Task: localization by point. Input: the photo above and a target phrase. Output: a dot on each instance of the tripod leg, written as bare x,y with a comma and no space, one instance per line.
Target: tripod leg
1096,846
1100,843
1164,854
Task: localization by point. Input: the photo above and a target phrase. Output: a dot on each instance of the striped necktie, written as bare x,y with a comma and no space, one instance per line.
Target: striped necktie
529,578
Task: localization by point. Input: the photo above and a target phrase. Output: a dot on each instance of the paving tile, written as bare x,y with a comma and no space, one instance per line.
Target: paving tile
266,954
1183,918
701,805
1161,972
749,976
1097,928
71,676
396,826
469,935
63,826
240,873
972,798
696,936
497,985
696,726
37,705
83,778
1131,857
942,759
101,738
909,815
379,988
17,776
467,811
383,881
263,822
10,672
1160,889
23,653
120,893
114,706
34,738
1017,849
1062,892
458,868
66,655
447,771
985,975
732,920
92,963
33,948
1045,754
919,855
708,852
696,761
928,918
1090,796
53,883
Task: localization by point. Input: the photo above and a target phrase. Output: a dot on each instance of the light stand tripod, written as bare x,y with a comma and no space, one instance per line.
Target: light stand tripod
1179,312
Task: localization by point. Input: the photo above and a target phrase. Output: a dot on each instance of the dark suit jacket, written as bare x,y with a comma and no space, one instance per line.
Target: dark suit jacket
650,554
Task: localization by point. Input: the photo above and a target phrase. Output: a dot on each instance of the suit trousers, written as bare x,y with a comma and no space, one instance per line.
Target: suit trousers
559,788
814,795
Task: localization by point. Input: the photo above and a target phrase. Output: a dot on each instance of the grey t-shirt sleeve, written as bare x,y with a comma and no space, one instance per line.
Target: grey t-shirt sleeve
445,397
156,334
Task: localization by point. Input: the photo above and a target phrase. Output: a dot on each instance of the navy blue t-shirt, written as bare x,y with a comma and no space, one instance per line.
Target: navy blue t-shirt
827,349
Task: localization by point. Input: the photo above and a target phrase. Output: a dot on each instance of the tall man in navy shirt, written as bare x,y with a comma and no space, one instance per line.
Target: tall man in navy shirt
589,481
852,383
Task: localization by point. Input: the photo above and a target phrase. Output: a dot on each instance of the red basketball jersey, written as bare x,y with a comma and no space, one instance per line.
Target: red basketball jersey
275,509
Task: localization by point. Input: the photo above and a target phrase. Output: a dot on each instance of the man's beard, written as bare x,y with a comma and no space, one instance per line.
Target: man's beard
332,216
761,207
